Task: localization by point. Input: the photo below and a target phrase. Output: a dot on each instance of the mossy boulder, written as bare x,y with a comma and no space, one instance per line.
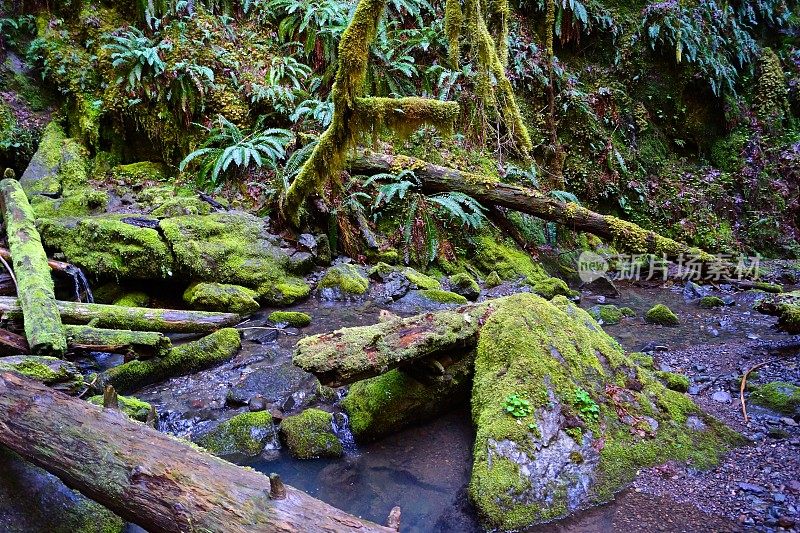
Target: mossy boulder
56,373
309,435
59,164
492,280
710,302
109,246
577,434
293,318
244,434
442,297
673,381
221,297
342,281
133,407
420,280
181,205
508,262
465,285
779,396
550,287
139,173
786,307
610,314
662,315
385,404
133,299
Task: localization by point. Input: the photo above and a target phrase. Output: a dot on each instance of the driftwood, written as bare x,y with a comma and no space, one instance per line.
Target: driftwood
58,266
352,354
34,283
149,478
626,235
132,318
143,344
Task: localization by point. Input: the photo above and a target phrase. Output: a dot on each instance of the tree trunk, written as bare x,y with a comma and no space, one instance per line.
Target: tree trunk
144,344
352,354
626,235
132,318
34,284
149,478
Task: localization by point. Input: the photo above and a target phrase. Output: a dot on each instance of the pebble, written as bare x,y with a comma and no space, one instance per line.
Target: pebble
721,396
750,487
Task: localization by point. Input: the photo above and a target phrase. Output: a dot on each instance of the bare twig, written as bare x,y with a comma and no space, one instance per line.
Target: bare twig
10,272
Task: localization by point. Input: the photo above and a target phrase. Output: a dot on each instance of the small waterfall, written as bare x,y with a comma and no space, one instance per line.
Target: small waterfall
341,428
81,284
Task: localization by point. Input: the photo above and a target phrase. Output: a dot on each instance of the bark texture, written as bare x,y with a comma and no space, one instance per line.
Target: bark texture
147,477
131,318
143,344
34,284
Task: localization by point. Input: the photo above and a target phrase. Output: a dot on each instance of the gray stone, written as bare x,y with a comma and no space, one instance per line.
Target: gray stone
603,287
721,396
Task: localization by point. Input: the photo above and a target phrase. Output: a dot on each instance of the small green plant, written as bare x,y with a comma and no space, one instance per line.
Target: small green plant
518,407
587,408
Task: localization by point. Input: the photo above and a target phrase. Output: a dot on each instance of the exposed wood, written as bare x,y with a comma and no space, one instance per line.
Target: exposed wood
626,235
132,318
58,266
149,478
352,354
142,344
13,344
34,284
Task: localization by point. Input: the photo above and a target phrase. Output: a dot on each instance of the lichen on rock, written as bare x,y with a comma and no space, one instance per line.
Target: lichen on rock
309,435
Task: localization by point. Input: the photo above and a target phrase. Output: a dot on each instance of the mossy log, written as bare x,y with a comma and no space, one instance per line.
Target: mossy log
352,354
34,284
627,236
149,478
181,360
131,318
141,344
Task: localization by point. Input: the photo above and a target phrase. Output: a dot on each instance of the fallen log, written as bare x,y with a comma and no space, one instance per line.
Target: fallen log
143,344
34,284
352,354
149,478
181,360
627,236
58,266
13,344
132,318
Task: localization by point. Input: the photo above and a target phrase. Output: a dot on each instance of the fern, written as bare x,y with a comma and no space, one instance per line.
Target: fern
136,56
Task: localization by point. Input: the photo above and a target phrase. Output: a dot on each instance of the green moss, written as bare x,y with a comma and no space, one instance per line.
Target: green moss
509,263
309,435
778,395
662,315
143,172
673,381
710,302
609,314
443,297
287,292
246,434
47,370
421,280
773,288
133,407
550,287
492,280
183,359
381,269
293,318
345,277
465,282
178,206
643,360
80,202
221,297
133,299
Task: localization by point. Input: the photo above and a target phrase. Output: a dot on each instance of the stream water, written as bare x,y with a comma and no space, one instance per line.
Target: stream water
424,469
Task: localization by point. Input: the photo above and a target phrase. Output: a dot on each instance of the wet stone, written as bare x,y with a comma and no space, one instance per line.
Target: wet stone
721,396
273,385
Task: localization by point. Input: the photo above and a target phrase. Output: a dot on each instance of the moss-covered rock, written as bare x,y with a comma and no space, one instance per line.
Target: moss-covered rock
385,404
786,307
132,299
542,460
492,280
54,372
662,315
133,407
58,164
763,286
465,285
610,314
508,262
221,297
343,280
550,287
245,434
181,360
673,381
139,173
181,205
442,297
778,395
107,246
309,435
710,302
420,280
293,318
